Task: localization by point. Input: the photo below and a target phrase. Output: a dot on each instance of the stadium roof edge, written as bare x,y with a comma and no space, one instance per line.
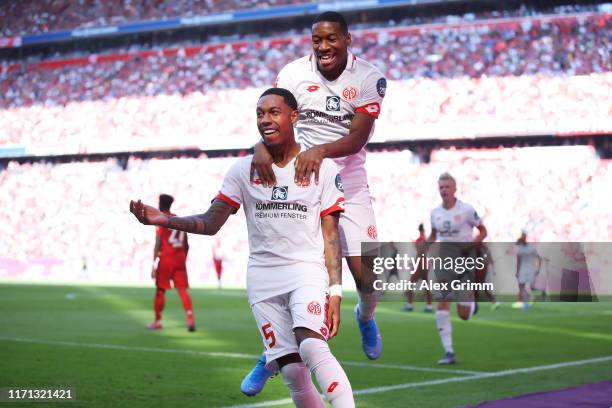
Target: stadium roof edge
426,145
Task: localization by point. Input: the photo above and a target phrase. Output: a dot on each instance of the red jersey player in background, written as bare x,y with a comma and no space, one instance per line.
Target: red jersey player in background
169,258
218,261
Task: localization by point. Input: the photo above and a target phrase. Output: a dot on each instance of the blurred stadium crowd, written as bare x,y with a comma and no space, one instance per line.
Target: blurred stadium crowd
75,213
32,17
467,79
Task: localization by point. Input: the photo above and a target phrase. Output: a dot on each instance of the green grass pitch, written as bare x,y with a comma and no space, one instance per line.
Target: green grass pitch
93,339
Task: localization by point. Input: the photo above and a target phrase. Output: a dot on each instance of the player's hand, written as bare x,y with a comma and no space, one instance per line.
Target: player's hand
307,163
148,215
333,315
262,164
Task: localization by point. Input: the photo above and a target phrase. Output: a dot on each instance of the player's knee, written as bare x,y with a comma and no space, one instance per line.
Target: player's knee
297,377
443,306
314,352
465,310
303,333
288,359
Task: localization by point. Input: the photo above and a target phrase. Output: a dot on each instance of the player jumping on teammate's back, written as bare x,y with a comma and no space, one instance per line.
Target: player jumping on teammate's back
453,222
339,98
294,274
169,264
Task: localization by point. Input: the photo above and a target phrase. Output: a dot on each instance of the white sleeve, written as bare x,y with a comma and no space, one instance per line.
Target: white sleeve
472,216
284,80
332,191
370,97
231,191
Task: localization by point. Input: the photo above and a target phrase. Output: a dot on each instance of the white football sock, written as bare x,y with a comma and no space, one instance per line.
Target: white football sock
367,305
329,374
445,330
303,391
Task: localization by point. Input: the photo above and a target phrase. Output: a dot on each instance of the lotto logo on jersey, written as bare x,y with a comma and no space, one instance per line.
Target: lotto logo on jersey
314,308
280,193
332,104
312,88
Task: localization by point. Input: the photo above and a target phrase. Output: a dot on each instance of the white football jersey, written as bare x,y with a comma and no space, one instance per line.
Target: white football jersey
328,107
527,257
284,225
455,224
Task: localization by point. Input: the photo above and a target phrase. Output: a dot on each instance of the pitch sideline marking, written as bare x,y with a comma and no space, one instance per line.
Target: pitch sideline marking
409,368
224,354
376,390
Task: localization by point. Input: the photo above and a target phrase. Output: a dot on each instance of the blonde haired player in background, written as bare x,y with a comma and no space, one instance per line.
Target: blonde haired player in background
454,221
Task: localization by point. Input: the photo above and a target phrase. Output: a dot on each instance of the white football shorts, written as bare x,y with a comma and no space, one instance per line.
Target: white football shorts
357,223
277,316
526,276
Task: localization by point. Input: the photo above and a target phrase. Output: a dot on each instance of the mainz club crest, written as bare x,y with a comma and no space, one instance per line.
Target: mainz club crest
314,308
372,232
350,92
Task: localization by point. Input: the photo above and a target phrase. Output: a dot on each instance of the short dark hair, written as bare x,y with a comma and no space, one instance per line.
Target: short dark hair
421,227
285,94
332,17
165,201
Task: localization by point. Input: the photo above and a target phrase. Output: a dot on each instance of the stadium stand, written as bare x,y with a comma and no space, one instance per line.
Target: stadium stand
31,17
61,214
460,80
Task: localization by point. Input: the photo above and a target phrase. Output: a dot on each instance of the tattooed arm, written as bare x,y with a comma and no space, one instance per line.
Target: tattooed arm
333,262
333,256
208,223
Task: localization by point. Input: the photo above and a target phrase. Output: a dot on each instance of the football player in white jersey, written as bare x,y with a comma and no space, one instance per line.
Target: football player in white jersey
528,264
294,256
454,221
339,98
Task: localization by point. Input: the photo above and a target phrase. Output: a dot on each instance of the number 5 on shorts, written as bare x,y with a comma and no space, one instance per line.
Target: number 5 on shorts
266,329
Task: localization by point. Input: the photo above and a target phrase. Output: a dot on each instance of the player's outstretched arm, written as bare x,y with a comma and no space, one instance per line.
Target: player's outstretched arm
208,223
333,261
262,164
309,161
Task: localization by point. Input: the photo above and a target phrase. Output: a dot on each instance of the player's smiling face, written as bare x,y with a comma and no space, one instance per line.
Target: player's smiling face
275,120
330,45
447,189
